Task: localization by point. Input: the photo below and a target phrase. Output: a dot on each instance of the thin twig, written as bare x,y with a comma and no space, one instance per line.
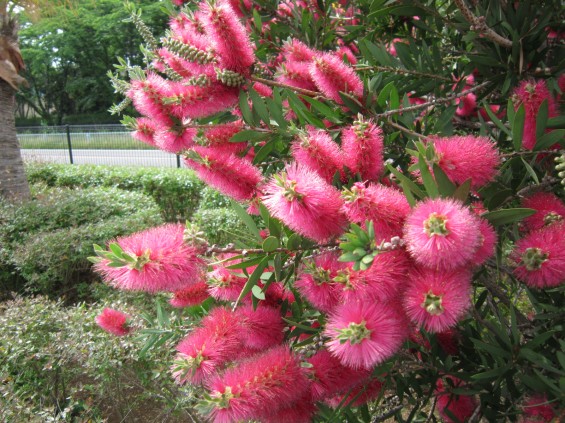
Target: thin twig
403,129
290,87
433,102
479,24
528,152
246,251
546,182
403,71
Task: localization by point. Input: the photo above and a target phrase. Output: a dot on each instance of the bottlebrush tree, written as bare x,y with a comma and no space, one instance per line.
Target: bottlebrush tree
400,168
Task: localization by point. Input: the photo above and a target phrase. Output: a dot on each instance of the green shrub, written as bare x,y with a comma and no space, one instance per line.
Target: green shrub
57,365
213,199
45,242
221,226
176,191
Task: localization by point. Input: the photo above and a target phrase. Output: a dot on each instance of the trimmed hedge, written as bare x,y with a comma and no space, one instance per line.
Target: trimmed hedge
44,243
176,191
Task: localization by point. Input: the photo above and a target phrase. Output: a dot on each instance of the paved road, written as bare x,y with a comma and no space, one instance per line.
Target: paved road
154,158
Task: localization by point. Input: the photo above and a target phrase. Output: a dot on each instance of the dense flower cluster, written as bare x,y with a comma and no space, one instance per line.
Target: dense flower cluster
298,324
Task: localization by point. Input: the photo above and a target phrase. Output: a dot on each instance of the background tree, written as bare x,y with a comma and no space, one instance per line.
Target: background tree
13,182
69,53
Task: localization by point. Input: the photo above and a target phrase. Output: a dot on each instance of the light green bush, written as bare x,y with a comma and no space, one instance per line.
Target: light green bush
58,365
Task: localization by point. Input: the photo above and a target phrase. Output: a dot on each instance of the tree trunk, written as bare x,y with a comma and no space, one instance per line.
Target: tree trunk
13,180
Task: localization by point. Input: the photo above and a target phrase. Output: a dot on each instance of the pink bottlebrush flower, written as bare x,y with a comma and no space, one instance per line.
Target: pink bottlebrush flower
175,140
386,207
467,105
536,409
387,275
435,300
146,96
329,377
161,261
442,234
319,152
449,340
300,411
261,328
296,74
487,243
207,349
364,334
193,101
113,321
229,174
345,52
362,145
190,296
228,37
540,257
239,6
276,294
296,51
461,407
464,157
218,136
368,390
262,89
145,131
332,76
495,109
391,47
351,285
549,209
225,285
532,94
183,67
316,284
305,203
258,387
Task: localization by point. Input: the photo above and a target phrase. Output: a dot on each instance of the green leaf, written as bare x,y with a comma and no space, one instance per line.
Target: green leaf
350,102
270,244
503,217
530,170
403,179
518,128
323,109
245,110
547,140
427,178
444,184
462,191
259,106
249,135
541,119
258,292
94,259
294,242
276,112
264,151
496,120
116,249
385,94
492,374
253,278
247,220
556,122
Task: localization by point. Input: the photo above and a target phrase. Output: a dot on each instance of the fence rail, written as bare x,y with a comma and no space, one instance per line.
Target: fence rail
90,144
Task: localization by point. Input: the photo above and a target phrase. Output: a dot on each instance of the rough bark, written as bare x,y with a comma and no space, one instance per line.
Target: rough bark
13,181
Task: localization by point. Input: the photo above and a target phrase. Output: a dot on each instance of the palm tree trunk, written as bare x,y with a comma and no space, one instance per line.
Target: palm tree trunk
13,180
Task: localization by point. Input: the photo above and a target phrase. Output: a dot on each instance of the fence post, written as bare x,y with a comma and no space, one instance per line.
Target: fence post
178,161
69,143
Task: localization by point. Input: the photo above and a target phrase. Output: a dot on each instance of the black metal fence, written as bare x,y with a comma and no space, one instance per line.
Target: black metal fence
90,144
